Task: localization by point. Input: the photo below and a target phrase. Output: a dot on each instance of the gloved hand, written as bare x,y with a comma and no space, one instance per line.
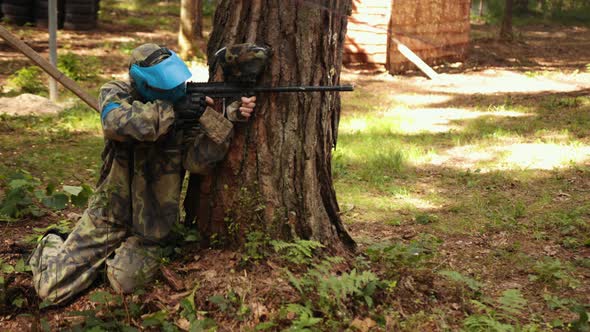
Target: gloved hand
189,109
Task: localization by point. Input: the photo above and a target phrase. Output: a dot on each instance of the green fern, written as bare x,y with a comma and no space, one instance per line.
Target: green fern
497,316
305,318
473,284
330,292
298,252
512,302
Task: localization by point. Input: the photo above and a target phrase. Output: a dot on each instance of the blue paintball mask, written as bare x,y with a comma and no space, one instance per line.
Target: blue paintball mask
164,80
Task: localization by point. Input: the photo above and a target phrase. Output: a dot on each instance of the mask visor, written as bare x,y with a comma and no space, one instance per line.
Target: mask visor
166,75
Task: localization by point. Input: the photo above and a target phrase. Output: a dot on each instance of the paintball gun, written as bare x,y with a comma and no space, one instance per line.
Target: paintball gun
242,64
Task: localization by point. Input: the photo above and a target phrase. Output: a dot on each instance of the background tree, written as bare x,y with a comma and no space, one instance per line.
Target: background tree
506,27
191,27
277,176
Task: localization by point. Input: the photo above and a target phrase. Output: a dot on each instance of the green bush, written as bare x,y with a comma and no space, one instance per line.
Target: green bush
77,67
28,79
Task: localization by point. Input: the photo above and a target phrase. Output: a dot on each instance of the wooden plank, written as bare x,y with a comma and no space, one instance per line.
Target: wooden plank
48,68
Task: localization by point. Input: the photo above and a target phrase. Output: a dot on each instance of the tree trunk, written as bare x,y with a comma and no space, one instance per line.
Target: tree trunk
480,8
521,7
198,24
191,28
506,29
277,176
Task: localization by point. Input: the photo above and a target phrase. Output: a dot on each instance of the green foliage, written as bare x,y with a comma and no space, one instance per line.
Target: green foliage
62,227
23,197
18,201
305,320
232,304
11,297
563,11
78,68
298,252
190,313
498,315
115,313
455,276
582,324
398,256
329,293
555,302
209,8
553,270
255,247
28,80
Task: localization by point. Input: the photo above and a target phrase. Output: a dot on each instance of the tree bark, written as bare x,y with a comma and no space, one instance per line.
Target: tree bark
191,27
506,28
480,8
277,176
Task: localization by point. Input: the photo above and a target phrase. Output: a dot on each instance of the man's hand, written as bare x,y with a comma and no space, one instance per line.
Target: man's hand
247,107
189,109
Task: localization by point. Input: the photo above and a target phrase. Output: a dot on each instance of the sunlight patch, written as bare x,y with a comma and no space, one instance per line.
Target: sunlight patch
533,156
440,120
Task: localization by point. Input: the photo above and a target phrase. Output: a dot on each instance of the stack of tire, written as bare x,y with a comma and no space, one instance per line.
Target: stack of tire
18,11
80,14
42,13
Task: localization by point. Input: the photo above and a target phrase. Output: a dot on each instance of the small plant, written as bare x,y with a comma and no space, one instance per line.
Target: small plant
298,252
551,270
11,297
28,80
398,256
455,276
62,227
498,315
23,198
231,304
305,319
77,67
255,247
333,295
190,313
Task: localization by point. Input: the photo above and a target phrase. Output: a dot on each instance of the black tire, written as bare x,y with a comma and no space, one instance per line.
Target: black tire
80,18
88,8
79,26
41,11
12,10
79,3
20,3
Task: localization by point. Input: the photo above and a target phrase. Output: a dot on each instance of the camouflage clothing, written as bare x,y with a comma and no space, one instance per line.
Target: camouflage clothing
137,196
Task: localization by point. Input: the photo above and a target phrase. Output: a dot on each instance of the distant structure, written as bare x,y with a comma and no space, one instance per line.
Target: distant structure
71,14
436,30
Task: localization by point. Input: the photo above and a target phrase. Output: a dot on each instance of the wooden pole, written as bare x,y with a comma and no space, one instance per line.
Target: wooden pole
47,67
415,59
52,13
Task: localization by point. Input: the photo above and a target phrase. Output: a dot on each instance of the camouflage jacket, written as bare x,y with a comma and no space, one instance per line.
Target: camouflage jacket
145,158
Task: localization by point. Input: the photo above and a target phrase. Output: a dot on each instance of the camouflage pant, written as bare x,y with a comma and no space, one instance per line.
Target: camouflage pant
62,269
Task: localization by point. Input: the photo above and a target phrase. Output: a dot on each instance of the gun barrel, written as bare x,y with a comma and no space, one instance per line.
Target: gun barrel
220,90
311,88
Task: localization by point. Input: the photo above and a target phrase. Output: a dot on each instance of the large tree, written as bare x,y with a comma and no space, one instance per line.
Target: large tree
506,27
190,27
277,176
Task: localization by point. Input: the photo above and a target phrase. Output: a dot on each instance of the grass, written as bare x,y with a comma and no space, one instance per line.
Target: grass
55,149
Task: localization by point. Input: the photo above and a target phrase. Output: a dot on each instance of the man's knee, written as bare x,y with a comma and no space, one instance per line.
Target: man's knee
132,267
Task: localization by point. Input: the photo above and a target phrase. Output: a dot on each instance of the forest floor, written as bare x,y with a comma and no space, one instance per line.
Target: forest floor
469,197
